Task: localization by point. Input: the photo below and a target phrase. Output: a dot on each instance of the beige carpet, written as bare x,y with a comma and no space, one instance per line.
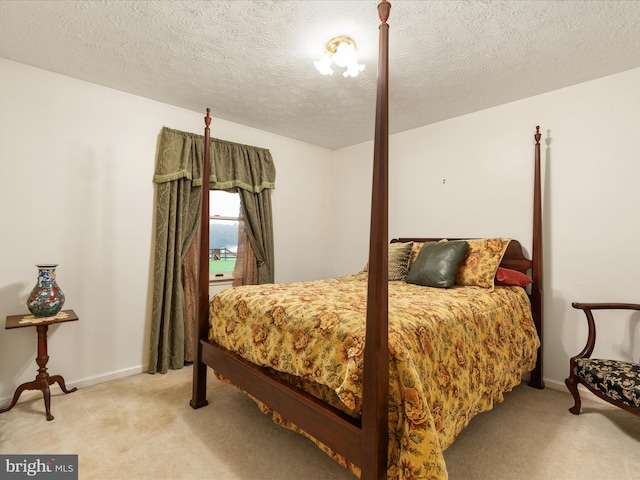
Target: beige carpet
142,427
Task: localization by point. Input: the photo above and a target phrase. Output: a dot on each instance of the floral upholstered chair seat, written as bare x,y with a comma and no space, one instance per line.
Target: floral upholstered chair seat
614,381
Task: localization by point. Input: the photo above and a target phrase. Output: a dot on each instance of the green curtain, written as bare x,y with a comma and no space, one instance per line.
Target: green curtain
256,209
178,177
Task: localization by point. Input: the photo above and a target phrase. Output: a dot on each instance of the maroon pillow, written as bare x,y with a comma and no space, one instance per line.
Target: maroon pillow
508,277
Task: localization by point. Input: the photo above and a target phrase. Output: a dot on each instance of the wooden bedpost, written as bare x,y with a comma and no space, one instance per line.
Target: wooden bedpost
199,393
375,403
536,254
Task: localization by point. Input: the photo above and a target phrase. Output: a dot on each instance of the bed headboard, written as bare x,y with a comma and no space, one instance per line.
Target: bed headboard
513,257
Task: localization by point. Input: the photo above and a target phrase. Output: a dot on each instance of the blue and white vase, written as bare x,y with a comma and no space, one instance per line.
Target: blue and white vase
46,298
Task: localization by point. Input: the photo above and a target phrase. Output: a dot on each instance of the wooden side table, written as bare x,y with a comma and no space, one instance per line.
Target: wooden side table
43,380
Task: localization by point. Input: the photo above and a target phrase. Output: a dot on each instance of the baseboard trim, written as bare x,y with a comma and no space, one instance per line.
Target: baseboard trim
126,372
555,385
94,380
88,381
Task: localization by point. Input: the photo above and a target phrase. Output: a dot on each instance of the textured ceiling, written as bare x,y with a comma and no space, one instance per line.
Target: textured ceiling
252,61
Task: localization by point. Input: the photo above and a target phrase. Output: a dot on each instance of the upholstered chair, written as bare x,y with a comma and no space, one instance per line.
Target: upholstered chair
614,381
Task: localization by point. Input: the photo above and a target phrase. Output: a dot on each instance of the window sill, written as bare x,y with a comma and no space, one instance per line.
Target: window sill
220,280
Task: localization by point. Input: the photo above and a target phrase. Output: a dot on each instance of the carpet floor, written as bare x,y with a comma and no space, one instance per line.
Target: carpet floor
142,427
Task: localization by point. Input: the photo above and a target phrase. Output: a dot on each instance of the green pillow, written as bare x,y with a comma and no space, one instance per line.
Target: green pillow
437,264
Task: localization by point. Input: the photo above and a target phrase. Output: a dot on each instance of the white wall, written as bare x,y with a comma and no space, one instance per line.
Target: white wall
472,176
76,189
77,161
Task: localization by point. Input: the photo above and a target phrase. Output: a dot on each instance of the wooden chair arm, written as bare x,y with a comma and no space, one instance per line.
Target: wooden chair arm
606,306
586,308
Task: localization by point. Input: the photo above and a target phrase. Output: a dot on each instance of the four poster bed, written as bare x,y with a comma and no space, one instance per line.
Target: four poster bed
433,357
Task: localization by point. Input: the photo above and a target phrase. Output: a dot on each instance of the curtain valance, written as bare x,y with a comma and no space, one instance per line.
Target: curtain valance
232,164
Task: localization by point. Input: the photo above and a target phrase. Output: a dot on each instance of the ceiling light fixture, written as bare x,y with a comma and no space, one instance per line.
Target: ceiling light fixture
342,52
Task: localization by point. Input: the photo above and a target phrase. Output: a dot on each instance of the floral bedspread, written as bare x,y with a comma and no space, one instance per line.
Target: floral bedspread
453,353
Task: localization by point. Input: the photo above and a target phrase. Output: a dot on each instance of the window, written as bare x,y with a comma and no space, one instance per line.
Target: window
224,210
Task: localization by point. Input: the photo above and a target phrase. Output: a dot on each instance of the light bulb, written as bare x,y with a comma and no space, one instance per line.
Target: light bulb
345,54
324,64
353,69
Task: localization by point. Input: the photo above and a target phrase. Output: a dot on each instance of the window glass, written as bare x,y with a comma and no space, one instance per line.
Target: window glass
224,209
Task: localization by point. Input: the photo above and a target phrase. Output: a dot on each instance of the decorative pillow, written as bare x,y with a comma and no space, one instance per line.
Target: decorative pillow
417,246
507,277
415,250
398,260
437,264
398,264
482,261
